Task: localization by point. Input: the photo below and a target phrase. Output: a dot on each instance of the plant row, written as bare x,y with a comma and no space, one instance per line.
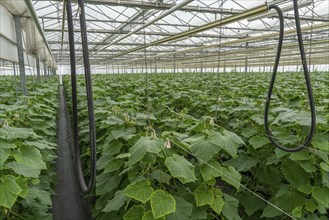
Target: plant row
28,145
193,146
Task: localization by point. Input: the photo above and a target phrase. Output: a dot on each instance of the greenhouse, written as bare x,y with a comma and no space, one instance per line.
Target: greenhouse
164,109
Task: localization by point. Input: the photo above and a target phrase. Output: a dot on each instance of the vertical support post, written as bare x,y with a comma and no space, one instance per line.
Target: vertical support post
174,63
246,61
20,53
246,65
264,64
44,69
14,67
15,80
155,66
37,58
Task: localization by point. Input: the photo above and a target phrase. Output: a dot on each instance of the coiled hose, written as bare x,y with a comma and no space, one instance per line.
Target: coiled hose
307,79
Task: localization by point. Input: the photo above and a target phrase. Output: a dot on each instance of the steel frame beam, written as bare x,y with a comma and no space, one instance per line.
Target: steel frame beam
248,39
195,47
251,12
103,31
57,19
153,5
123,44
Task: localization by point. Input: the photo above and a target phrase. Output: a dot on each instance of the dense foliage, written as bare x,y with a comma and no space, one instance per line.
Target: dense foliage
184,146
27,148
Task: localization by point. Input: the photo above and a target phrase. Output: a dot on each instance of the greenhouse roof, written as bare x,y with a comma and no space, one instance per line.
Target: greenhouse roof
122,32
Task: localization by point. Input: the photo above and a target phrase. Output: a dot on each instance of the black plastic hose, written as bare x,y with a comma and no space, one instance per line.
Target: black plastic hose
92,132
307,79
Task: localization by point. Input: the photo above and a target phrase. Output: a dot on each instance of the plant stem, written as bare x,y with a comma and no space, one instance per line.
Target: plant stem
16,215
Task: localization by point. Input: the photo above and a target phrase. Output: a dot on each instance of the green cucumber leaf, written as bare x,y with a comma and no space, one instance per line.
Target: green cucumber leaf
251,203
230,208
228,141
162,204
180,168
218,203
140,191
6,144
4,154
203,196
134,213
144,145
23,169
117,202
30,156
210,170
204,149
113,165
321,195
258,141
149,216
9,190
295,175
106,182
231,176
183,210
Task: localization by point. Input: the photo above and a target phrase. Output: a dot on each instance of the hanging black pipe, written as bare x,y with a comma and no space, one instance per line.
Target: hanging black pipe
90,102
92,133
307,79
73,75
